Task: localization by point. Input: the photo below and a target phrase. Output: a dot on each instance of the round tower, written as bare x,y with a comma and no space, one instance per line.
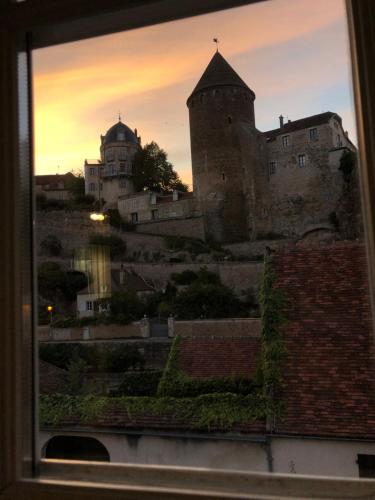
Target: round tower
223,141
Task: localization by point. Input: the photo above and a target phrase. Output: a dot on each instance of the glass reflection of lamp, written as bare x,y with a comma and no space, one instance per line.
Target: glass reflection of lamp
98,216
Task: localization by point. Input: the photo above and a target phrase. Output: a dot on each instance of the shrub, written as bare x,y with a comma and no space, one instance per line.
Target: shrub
117,246
185,277
51,245
143,383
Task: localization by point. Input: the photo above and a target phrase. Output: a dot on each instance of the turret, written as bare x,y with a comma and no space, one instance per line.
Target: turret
224,141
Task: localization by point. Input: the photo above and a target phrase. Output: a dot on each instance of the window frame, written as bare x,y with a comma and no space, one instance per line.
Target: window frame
302,160
22,475
285,141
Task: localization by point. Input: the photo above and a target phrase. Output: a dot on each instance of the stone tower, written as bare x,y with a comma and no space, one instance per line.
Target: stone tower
227,154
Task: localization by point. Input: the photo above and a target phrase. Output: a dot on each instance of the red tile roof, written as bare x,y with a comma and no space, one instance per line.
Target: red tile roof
329,370
205,358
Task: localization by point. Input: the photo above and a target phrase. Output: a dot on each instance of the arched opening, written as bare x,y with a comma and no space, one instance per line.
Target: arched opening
229,118
76,448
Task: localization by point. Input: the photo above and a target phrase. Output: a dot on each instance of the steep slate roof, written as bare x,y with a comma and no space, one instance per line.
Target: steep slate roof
329,376
308,122
219,357
120,128
219,73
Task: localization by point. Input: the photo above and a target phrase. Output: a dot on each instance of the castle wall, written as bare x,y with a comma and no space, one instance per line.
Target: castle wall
303,197
190,227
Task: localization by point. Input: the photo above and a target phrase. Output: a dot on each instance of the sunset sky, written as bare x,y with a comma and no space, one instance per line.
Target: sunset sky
292,53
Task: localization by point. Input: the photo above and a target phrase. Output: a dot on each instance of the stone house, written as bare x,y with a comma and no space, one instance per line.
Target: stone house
53,186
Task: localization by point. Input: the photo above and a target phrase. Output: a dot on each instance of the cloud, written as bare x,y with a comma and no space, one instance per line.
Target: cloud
281,48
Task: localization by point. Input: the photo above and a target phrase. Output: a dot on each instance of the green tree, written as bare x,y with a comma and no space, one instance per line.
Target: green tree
54,282
117,246
153,171
204,300
75,184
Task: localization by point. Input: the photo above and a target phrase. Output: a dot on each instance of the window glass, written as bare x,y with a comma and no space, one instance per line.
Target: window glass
226,311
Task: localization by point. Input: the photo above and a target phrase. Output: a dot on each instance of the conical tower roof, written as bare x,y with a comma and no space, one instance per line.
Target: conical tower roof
219,73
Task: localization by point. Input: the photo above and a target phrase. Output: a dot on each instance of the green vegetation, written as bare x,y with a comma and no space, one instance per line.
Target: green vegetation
203,412
115,220
152,170
273,351
348,162
97,358
117,246
142,383
54,283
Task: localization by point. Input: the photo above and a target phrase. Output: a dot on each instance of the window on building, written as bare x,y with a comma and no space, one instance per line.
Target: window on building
154,214
223,177
229,119
92,170
302,160
92,187
314,134
122,183
134,216
272,167
366,465
121,136
89,305
285,141
339,141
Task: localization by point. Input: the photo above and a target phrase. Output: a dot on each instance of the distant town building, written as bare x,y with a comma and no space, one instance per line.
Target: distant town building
247,184
53,186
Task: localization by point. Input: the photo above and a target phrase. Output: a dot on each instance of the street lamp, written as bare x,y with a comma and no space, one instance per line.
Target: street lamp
50,309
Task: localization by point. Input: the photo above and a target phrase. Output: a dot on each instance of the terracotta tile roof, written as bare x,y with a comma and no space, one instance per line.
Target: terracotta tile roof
216,357
51,378
329,371
308,122
52,180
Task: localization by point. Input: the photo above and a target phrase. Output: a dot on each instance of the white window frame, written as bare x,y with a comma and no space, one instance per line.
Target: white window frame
22,475
285,141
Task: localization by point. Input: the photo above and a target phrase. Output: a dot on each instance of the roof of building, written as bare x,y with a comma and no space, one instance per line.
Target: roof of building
120,132
328,384
52,181
131,281
219,357
308,122
219,73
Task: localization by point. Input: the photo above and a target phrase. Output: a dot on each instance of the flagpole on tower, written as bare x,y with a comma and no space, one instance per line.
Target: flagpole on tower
216,40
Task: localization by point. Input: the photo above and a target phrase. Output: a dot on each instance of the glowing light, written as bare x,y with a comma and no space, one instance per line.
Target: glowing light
49,308
97,217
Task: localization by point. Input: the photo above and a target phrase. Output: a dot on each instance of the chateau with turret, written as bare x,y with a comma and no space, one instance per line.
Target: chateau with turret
247,184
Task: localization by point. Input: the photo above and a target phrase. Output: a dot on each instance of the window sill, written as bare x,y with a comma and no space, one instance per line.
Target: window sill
97,481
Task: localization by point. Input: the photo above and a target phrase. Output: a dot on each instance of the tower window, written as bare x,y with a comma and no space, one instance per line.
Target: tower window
223,177
201,98
229,119
92,186
92,170
302,160
285,141
272,168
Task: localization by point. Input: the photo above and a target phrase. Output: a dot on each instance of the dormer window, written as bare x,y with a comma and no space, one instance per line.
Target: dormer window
121,136
285,141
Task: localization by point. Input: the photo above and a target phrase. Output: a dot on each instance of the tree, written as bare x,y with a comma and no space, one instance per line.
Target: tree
152,170
54,282
75,184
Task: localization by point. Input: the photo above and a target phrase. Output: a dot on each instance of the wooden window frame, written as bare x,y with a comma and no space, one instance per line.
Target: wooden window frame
22,475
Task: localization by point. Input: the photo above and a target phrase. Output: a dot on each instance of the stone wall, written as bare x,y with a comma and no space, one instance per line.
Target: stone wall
233,327
92,332
73,228
190,227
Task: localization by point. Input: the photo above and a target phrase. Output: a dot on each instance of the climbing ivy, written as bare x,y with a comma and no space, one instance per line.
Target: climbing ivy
273,350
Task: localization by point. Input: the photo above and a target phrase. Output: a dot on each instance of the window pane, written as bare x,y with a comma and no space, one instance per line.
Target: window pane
153,275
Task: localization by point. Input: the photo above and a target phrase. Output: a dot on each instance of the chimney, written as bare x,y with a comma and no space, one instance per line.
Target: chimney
281,118
135,132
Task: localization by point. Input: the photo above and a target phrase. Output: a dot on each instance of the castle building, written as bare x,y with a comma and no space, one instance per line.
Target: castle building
247,184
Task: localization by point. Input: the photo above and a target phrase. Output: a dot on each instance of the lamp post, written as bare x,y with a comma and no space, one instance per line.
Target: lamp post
50,310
